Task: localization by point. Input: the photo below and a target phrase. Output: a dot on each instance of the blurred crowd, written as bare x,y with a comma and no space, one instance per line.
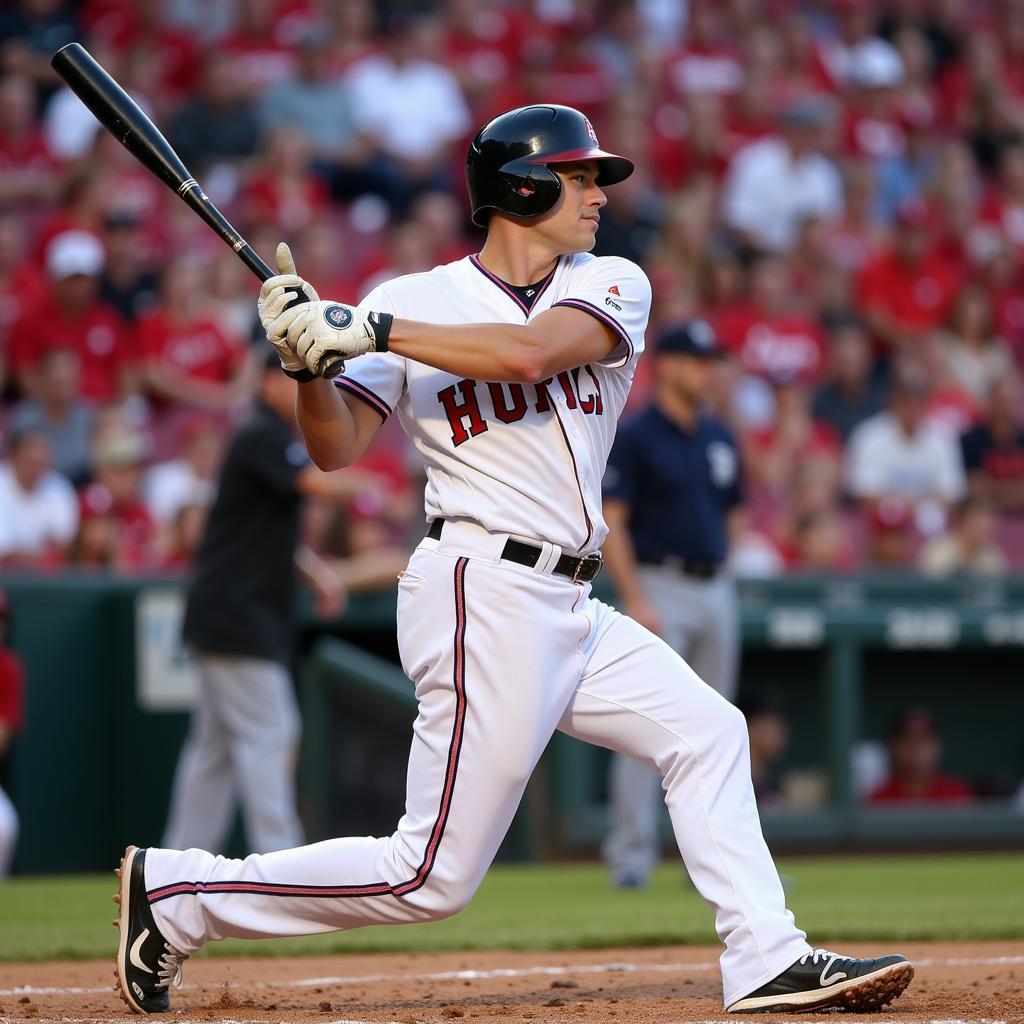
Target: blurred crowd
837,186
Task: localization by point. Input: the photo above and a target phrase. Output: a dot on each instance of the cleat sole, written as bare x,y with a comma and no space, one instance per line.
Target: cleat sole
859,996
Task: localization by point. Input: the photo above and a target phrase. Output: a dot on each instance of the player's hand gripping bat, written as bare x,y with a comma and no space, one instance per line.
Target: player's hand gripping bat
123,118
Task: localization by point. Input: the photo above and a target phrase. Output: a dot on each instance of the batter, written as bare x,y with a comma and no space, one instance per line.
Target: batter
508,370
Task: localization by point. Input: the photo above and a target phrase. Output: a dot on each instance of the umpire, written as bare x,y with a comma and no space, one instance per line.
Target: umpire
670,491
244,732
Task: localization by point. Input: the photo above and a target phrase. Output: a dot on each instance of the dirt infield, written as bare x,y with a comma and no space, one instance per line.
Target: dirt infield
971,982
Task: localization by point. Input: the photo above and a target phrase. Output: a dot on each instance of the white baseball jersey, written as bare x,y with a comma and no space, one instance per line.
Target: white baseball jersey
543,482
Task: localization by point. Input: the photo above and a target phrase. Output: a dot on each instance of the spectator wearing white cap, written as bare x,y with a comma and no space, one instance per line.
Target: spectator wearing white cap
873,129
71,316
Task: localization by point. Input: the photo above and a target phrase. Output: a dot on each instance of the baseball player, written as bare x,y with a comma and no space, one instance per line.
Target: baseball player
671,489
508,370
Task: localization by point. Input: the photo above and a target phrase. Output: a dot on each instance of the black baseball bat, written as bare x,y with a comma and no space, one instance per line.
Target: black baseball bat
124,119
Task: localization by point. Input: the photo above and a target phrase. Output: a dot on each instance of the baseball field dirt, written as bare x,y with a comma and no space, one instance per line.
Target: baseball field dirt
975,982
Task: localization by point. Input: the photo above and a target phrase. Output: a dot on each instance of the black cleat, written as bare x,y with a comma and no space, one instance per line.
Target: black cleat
822,980
146,962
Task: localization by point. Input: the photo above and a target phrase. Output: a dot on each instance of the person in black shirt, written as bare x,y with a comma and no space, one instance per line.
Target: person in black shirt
238,621
993,451
671,487
851,394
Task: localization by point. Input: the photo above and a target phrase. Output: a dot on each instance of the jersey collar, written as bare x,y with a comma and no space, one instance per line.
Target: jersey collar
519,296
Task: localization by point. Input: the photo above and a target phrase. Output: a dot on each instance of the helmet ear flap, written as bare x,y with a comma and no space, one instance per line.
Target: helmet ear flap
527,189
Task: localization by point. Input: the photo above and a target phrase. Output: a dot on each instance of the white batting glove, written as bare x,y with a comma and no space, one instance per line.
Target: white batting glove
277,292
325,334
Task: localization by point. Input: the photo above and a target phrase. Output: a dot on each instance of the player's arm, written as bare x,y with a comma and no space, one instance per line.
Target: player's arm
620,559
337,427
558,339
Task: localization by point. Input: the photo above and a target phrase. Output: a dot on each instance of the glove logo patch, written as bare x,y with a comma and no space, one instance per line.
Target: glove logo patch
338,317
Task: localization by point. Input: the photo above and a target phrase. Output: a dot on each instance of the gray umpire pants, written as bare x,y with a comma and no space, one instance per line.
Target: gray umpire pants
242,744
700,621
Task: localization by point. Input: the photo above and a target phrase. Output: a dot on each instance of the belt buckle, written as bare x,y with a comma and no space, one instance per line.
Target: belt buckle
589,568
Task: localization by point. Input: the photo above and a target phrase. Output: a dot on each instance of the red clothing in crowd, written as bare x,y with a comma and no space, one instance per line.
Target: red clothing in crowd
198,348
22,290
12,688
698,68
96,334
135,528
24,156
266,201
773,347
941,789
918,297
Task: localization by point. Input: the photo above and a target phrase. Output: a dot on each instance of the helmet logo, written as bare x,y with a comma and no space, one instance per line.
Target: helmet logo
590,130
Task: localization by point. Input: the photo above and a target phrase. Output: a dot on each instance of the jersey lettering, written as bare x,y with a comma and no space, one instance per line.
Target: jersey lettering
510,404
543,399
591,404
508,413
570,395
468,408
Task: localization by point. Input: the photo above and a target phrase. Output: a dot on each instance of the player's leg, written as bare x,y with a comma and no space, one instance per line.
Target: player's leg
638,697
492,688
203,793
257,705
634,792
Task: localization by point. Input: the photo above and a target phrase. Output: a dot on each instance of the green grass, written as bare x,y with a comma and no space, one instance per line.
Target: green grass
570,906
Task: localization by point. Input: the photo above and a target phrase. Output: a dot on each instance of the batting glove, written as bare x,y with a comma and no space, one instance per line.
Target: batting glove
325,334
275,295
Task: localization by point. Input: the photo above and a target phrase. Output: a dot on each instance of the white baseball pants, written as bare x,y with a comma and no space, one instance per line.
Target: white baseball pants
501,655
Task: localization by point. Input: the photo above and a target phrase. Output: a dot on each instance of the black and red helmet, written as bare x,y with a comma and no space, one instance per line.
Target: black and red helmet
507,165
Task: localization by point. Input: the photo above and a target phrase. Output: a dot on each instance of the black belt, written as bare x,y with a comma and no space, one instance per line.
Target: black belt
579,570
699,570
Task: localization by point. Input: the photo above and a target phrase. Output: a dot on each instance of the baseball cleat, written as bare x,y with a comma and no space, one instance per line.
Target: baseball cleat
822,980
146,962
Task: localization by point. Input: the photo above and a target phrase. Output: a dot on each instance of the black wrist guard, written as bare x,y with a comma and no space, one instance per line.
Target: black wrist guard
380,324
303,376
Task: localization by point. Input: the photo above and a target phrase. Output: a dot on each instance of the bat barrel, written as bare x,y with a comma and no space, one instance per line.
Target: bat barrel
118,113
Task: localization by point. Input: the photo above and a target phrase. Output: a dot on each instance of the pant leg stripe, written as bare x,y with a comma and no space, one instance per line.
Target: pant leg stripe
437,831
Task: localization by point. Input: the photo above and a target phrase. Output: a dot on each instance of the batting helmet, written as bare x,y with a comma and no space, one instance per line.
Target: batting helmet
507,167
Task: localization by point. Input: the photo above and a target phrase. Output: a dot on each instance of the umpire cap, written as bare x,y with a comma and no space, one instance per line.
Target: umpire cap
507,167
690,338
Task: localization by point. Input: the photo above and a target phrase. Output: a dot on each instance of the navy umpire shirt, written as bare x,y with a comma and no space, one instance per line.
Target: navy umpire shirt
680,486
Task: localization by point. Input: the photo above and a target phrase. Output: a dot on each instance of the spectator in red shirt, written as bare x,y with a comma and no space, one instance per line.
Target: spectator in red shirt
27,169
12,686
21,285
767,335
261,54
1003,207
793,440
188,362
873,130
142,26
81,207
70,315
115,527
691,141
283,190
707,61
908,290
915,753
